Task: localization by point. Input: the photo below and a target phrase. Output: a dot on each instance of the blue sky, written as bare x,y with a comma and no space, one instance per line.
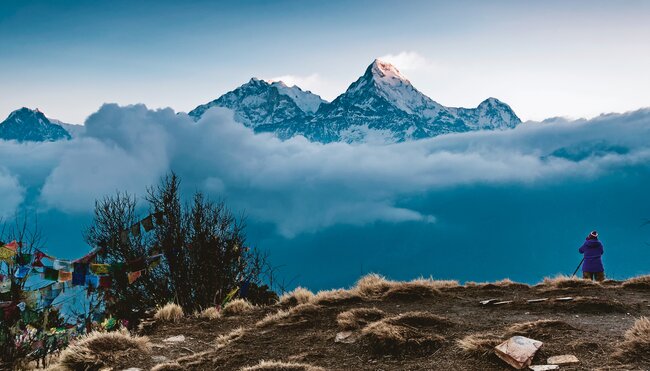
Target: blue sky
550,58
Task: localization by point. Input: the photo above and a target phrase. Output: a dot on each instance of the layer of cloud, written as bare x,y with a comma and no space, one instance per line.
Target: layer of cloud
408,61
314,83
300,186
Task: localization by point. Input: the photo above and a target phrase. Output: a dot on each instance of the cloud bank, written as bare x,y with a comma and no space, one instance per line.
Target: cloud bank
299,186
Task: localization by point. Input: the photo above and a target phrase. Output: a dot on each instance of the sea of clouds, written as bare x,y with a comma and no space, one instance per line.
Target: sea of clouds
297,185
300,188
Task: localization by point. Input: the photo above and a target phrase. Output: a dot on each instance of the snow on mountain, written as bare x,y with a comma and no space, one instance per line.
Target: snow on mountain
26,125
259,102
381,106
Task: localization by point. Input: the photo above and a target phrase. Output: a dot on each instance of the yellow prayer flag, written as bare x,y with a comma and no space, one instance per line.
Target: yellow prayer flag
65,276
133,276
6,254
100,268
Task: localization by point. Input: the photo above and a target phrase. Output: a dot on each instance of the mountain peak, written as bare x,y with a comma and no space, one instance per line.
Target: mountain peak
27,124
384,70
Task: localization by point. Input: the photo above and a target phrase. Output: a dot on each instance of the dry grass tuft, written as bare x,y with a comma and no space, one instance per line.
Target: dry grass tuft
436,284
296,314
544,329
640,282
233,335
236,307
171,312
101,349
282,366
211,313
410,291
410,332
561,282
480,344
372,286
298,296
358,318
636,346
168,366
336,297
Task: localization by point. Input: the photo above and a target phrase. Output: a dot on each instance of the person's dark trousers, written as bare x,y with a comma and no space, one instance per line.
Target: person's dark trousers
595,276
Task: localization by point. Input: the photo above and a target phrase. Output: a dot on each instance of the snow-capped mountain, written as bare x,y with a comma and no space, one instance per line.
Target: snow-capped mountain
26,125
381,105
259,102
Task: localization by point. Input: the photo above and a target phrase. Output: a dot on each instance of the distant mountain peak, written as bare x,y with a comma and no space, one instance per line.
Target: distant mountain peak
384,70
380,103
31,125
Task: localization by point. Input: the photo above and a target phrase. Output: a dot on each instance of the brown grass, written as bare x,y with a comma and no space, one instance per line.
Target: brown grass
640,282
282,366
233,335
405,291
480,344
298,313
358,318
298,296
543,329
211,313
236,307
372,286
101,349
562,281
336,297
636,346
171,312
410,332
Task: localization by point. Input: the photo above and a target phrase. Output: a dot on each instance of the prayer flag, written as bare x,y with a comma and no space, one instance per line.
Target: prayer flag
5,286
92,280
65,276
81,268
22,271
13,245
78,279
158,216
100,268
135,229
105,281
50,274
153,261
117,268
6,254
133,276
147,223
64,265
38,256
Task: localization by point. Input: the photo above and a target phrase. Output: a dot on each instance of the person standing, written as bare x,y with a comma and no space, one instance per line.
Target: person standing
592,249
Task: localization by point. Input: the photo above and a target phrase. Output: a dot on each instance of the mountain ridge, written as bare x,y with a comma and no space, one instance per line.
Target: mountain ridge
382,103
31,125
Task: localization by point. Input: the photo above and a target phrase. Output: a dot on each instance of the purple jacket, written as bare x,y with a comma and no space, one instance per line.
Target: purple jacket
593,250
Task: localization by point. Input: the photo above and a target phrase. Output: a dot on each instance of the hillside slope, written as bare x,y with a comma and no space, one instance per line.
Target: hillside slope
418,325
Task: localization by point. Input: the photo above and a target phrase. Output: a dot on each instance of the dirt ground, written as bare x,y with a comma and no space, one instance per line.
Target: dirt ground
591,327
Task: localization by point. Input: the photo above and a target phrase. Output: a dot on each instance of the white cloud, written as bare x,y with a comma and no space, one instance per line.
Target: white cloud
12,193
313,83
407,61
301,186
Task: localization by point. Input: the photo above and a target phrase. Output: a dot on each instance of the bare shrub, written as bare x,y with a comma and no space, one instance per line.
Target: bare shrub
171,312
562,281
410,332
640,282
636,346
282,366
298,296
236,307
101,349
210,313
357,318
372,286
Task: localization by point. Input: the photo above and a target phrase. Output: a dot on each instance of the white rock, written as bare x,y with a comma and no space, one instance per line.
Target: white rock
175,339
346,337
544,367
564,359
